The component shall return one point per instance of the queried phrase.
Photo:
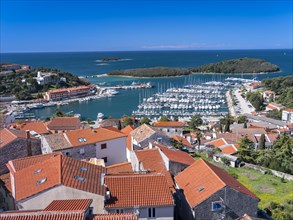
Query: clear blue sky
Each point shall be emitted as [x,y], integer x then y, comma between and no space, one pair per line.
[45,26]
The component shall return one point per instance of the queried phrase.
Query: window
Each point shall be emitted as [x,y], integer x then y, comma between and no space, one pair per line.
[119,210]
[67,154]
[81,150]
[83,168]
[41,181]
[79,178]
[103,146]
[105,159]
[37,171]
[168,130]
[152,212]
[175,130]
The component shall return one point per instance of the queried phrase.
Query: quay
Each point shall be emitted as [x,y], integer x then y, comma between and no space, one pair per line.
[132,86]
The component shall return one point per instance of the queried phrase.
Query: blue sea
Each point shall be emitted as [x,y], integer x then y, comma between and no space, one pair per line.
[88,64]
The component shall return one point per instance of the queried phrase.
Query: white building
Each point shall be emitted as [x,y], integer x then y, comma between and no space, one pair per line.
[45,78]
[108,144]
[287,115]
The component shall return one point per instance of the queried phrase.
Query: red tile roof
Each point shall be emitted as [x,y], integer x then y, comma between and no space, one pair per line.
[288,110]
[217,143]
[127,131]
[202,179]
[138,190]
[58,170]
[114,216]
[6,137]
[91,136]
[229,149]
[124,167]
[36,126]
[152,161]
[64,123]
[184,140]
[39,215]
[176,155]
[168,124]
[79,205]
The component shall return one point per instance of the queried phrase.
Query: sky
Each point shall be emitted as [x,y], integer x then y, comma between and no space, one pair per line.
[92,25]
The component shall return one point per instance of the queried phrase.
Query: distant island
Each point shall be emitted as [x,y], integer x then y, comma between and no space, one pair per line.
[235,66]
[151,72]
[109,59]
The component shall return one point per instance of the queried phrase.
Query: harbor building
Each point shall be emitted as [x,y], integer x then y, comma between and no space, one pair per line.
[65,93]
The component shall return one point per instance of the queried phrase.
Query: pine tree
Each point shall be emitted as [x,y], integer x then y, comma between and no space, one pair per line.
[262,142]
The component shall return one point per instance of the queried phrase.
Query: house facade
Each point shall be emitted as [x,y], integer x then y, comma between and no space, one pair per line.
[287,115]
[171,128]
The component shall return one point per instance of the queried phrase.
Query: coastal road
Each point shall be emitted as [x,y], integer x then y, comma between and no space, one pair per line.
[245,106]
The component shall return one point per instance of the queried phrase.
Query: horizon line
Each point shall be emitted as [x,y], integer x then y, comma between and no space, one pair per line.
[93,51]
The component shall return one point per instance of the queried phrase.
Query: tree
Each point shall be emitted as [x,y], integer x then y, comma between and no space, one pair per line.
[145,120]
[245,124]
[194,122]
[175,118]
[241,119]
[164,118]
[177,144]
[262,141]
[227,126]
[198,136]
[275,114]
[58,113]
[128,121]
[119,126]
[256,100]
[245,152]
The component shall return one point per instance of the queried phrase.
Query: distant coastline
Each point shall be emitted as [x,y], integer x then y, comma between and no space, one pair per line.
[240,66]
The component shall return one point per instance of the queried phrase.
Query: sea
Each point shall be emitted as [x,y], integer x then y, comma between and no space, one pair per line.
[89,65]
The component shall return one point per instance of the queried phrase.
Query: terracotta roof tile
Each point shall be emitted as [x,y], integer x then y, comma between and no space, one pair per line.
[22,163]
[152,161]
[228,149]
[58,170]
[138,190]
[39,215]
[57,141]
[288,110]
[169,124]
[184,140]
[217,143]
[176,155]
[120,216]
[80,205]
[91,136]
[64,123]
[6,137]
[124,167]
[127,131]
[145,131]
[201,180]
[36,126]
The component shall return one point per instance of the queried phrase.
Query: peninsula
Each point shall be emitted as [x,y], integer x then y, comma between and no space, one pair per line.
[151,72]
[235,66]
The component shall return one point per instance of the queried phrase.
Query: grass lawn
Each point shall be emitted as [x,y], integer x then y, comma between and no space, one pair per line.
[267,187]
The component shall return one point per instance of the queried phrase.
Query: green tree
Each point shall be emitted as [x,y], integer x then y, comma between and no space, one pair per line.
[262,141]
[194,122]
[275,114]
[164,118]
[245,152]
[177,144]
[245,124]
[256,100]
[198,136]
[128,121]
[241,119]
[145,120]
[119,126]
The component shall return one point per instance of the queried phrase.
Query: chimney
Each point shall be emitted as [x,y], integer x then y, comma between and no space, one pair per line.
[27,134]
[102,178]
[108,195]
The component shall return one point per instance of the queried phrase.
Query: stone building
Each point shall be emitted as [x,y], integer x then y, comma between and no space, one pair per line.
[171,128]
[16,144]
[205,191]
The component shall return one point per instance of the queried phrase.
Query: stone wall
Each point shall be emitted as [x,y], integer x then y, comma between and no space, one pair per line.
[176,168]
[18,149]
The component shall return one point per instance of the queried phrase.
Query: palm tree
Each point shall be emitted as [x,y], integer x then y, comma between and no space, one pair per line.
[198,136]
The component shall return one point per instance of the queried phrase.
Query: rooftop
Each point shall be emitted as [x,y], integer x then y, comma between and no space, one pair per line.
[124,167]
[78,205]
[144,131]
[115,216]
[152,160]
[9,135]
[64,123]
[127,131]
[202,179]
[54,171]
[169,124]
[138,190]
[175,155]
[184,140]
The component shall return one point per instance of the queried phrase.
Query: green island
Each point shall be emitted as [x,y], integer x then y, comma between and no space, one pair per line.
[242,65]
[109,59]
[25,86]
[235,66]
[151,72]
